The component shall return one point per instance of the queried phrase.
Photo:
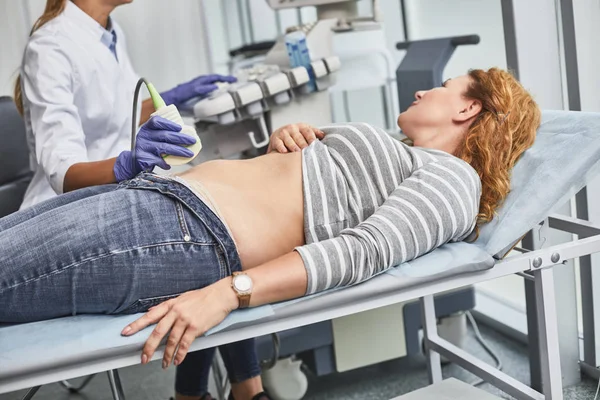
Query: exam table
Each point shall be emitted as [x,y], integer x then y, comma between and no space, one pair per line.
[565,156]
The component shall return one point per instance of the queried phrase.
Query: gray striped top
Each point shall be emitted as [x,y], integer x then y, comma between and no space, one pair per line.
[372,202]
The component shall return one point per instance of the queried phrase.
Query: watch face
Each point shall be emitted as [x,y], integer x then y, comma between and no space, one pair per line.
[242,283]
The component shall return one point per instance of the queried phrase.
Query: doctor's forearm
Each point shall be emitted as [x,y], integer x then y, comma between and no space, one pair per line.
[87,174]
[147,109]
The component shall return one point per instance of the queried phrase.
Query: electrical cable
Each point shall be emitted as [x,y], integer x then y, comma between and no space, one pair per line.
[484,345]
[268,364]
[134,121]
[597,389]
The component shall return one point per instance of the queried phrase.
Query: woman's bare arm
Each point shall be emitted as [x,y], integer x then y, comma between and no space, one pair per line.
[193,313]
[283,278]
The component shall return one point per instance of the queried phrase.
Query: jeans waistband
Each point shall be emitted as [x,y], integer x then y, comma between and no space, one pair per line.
[172,188]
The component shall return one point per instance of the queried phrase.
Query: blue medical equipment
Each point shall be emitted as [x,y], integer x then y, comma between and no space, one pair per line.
[299,56]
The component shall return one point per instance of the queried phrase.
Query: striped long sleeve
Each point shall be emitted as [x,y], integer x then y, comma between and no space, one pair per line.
[436,204]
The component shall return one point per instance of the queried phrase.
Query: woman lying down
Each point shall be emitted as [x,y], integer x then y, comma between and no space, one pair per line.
[232,234]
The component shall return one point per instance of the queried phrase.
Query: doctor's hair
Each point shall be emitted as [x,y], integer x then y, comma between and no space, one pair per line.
[53,9]
[499,134]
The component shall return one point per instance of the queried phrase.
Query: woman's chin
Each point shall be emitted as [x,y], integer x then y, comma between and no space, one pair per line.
[399,121]
[402,122]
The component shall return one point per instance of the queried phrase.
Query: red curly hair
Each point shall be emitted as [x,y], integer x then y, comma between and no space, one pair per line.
[500,133]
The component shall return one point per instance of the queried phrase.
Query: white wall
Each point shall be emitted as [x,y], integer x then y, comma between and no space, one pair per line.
[427,19]
[166,44]
[587,31]
[367,104]
[538,49]
[13,30]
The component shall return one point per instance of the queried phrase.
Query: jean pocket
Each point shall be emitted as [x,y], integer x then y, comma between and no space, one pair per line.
[142,305]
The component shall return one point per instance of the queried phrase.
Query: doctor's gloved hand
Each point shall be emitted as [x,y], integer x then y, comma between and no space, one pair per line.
[201,86]
[156,138]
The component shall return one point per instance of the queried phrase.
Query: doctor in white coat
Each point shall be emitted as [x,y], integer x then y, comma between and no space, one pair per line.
[75,92]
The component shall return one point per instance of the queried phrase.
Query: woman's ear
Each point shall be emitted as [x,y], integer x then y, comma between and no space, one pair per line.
[470,109]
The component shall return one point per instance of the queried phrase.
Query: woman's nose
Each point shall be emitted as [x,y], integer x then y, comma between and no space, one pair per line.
[419,94]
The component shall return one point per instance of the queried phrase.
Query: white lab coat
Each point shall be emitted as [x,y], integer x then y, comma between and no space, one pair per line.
[77,99]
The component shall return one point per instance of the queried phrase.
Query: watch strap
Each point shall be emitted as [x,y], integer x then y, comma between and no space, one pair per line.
[244,299]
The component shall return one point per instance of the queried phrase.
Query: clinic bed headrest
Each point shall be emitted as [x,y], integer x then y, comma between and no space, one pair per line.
[564,158]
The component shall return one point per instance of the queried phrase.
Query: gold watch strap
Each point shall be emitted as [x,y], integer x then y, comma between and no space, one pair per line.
[244,299]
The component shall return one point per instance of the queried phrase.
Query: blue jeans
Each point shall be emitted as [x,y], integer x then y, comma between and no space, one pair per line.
[116,249]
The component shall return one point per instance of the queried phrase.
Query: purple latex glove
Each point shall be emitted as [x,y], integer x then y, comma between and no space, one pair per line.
[198,87]
[156,137]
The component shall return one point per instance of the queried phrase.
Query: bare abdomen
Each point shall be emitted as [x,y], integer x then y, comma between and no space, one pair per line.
[261,201]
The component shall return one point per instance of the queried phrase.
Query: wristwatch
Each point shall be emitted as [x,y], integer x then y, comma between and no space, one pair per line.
[242,284]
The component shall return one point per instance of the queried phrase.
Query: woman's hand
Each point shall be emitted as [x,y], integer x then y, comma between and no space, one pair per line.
[186,317]
[293,137]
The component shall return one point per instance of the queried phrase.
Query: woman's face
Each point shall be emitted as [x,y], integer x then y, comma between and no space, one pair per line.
[437,110]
